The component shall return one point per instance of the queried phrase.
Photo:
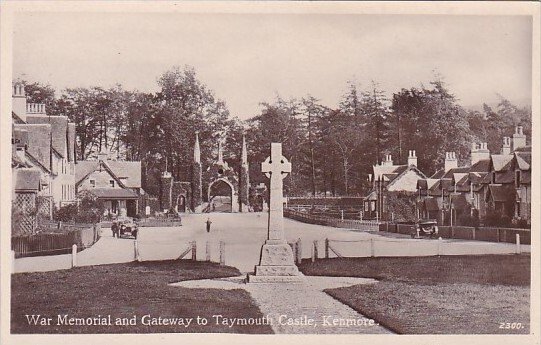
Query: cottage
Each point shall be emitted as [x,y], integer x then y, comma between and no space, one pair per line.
[387,179]
[117,184]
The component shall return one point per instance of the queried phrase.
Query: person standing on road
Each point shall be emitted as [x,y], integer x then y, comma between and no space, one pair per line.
[208,222]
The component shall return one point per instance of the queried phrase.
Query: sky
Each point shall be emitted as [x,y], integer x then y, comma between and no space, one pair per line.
[247,59]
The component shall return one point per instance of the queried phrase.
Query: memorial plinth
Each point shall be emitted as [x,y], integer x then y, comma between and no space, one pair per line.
[276,264]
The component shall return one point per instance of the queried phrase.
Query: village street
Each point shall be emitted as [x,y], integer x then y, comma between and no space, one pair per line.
[243,235]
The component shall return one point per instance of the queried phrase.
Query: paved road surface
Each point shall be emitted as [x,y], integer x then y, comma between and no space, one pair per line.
[243,235]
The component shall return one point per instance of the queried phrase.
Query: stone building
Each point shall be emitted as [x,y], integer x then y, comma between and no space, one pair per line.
[498,183]
[390,179]
[117,184]
[47,144]
[217,187]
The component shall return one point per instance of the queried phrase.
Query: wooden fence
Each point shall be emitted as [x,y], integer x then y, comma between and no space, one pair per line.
[490,234]
[367,225]
[57,242]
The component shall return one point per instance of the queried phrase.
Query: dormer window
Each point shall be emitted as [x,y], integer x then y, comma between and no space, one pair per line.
[92,183]
[112,183]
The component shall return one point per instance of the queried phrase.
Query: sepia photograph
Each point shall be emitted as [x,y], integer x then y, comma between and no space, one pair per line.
[269,169]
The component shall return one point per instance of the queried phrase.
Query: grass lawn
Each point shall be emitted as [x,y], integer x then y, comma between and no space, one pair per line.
[443,295]
[128,290]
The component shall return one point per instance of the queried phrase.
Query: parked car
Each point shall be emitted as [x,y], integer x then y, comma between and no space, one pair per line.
[124,227]
[425,228]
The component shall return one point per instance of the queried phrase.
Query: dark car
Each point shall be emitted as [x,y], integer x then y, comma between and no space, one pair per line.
[425,228]
[124,227]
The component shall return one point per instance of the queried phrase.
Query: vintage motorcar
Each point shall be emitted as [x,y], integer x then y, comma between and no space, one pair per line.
[425,228]
[124,227]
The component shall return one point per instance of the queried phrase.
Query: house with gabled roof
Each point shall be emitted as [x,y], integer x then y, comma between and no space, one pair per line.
[497,183]
[117,184]
[388,178]
[46,143]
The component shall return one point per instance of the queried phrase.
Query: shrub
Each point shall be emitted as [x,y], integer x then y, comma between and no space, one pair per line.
[465,219]
[88,209]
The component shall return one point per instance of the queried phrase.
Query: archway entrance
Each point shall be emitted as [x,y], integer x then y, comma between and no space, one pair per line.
[181,203]
[220,196]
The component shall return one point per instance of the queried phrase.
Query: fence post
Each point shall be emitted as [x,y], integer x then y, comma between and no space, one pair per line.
[498,234]
[207,250]
[316,256]
[517,248]
[326,248]
[73,256]
[12,261]
[440,240]
[342,214]
[473,233]
[136,251]
[222,253]
[372,249]
[194,250]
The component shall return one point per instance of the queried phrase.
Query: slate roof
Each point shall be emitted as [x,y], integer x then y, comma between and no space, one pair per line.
[524,160]
[501,162]
[39,139]
[129,173]
[481,166]
[129,170]
[16,118]
[20,135]
[59,127]
[381,170]
[27,180]
[113,193]
[71,141]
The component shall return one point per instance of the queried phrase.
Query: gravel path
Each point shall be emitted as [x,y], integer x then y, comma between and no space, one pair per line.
[301,308]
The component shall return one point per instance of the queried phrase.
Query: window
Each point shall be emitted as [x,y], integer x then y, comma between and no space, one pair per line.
[517,179]
[92,183]
[112,183]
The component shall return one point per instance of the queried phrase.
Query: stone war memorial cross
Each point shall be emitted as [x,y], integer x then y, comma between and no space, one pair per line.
[276,263]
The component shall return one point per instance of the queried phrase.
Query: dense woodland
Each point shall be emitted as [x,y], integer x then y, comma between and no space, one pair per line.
[332,149]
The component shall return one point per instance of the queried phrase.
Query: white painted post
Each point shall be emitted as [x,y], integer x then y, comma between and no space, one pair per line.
[73,256]
[222,253]
[372,249]
[12,261]
[342,212]
[136,251]
[207,249]
[377,216]
[361,215]
[517,249]
[440,240]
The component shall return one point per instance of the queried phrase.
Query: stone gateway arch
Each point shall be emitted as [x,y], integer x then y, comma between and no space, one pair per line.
[214,188]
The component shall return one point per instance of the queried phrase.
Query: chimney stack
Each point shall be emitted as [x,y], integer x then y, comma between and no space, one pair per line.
[19,101]
[450,161]
[519,139]
[412,158]
[479,152]
[506,147]
[388,161]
